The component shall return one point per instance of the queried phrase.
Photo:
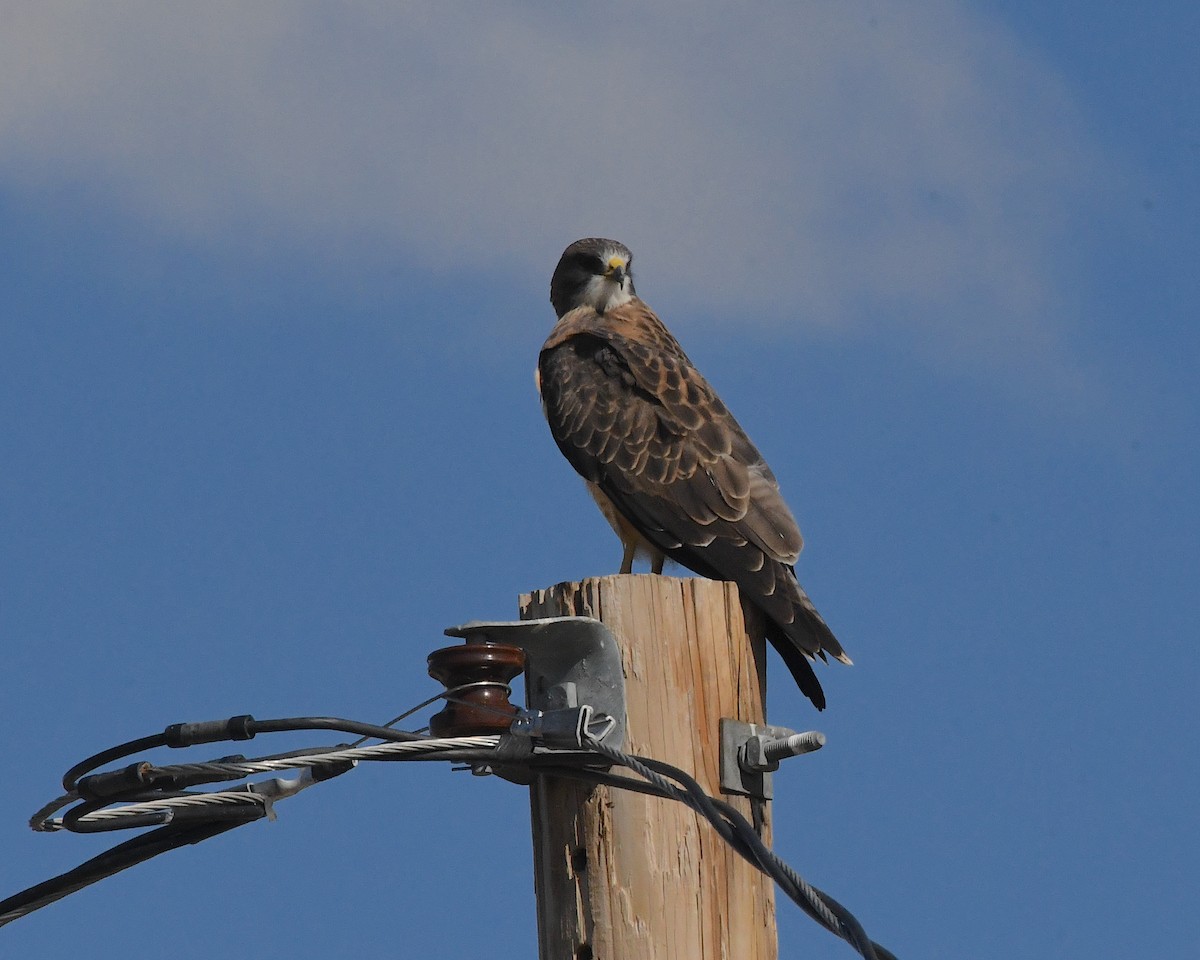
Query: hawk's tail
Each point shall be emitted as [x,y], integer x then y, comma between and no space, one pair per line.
[798,663]
[805,637]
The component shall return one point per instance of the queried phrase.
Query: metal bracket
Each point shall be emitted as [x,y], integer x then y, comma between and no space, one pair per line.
[750,751]
[572,662]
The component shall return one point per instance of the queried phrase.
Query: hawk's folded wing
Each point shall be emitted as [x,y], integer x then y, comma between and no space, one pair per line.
[631,414]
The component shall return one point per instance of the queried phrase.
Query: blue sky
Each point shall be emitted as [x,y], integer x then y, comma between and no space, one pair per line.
[275,281]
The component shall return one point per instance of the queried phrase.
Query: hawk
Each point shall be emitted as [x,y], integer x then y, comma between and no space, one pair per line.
[669,466]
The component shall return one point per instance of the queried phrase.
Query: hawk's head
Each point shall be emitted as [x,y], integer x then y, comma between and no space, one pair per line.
[592,273]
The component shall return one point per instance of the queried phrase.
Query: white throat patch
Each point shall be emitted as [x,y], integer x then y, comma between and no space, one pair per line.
[605,293]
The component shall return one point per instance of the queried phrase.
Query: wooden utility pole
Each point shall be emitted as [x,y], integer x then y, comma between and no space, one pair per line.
[624,876]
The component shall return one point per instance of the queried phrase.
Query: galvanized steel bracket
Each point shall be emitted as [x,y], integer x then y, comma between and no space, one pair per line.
[750,751]
[572,662]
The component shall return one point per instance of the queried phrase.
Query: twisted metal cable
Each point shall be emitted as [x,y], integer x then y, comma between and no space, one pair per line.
[231,770]
[736,830]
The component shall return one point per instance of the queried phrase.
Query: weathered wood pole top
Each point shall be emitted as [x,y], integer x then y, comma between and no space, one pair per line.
[622,876]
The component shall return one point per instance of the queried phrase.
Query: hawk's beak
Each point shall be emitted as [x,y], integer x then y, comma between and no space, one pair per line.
[616,271]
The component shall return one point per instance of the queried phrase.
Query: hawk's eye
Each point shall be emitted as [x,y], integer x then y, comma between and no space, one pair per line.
[589,263]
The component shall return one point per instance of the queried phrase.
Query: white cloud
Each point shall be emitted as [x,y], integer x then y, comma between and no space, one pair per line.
[851,165]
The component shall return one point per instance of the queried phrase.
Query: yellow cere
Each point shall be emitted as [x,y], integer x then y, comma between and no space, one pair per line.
[614,262]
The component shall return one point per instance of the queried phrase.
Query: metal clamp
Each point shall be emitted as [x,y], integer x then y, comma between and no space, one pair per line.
[751,751]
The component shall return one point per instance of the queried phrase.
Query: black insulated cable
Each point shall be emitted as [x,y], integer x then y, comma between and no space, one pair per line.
[242,727]
[121,857]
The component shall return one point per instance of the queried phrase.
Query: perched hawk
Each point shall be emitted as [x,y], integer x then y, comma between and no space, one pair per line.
[669,466]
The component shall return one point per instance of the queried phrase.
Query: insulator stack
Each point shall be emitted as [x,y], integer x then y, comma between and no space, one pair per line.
[477,675]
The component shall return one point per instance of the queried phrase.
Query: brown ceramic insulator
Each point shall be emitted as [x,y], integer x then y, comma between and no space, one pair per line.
[483,708]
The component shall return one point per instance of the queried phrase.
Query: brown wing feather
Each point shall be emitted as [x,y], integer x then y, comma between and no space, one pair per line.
[632,415]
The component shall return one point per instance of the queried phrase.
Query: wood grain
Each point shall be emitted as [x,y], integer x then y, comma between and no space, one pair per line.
[622,876]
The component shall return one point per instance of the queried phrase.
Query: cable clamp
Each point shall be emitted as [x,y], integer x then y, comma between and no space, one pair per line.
[569,728]
[267,792]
